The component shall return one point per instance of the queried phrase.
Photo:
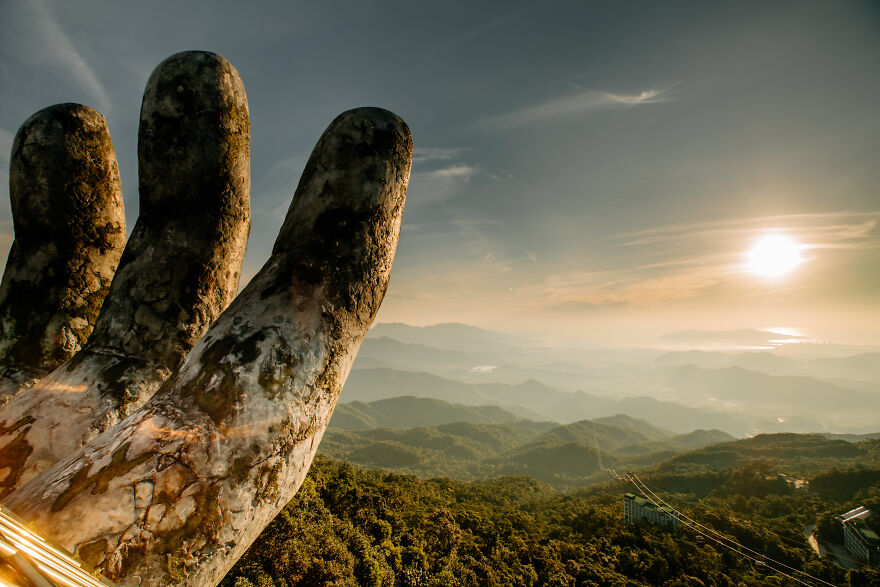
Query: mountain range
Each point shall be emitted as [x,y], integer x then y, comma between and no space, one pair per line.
[740,392]
[572,455]
[534,400]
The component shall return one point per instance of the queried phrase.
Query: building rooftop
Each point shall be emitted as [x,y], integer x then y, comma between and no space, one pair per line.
[859,513]
[868,535]
[647,504]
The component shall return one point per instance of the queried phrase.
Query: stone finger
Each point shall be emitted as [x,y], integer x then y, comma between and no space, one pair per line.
[69,233]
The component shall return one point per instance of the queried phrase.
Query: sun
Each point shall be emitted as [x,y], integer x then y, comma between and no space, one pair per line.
[774,256]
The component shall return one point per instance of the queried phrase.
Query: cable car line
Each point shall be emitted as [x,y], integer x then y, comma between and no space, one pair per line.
[719,538]
[798,544]
[739,547]
[758,561]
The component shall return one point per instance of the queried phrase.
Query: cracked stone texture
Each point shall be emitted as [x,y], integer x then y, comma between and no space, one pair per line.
[228,439]
[69,233]
[180,268]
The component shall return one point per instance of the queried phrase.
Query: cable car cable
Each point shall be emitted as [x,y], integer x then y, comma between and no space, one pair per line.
[635,479]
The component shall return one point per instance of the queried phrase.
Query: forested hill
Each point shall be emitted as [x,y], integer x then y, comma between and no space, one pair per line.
[799,454]
[566,457]
[349,526]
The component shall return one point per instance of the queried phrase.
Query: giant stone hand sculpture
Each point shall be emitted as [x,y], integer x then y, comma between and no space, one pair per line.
[159,464]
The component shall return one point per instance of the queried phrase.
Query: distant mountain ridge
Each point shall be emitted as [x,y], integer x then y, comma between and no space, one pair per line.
[447,336]
[534,400]
[736,383]
[416,355]
[413,412]
[797,388]
[746,336]
[860,367]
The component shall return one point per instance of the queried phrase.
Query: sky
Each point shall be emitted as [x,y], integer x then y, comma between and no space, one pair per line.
[590,172]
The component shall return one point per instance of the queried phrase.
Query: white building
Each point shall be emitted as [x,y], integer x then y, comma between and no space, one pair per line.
[639,508]
[860,540]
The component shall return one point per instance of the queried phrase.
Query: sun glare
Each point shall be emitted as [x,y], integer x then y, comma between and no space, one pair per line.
[774,256]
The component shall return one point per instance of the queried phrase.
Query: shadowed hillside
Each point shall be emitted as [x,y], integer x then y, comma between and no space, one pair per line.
[563,456]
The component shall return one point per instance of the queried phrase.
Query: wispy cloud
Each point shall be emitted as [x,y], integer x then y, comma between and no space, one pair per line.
[443,179]
[705,261]
[54,45]
[423,154]
[467,262]
[437,185]
[840,229]
[639,285]
[461,172]
[478,32]
[482,30]
[282,176]
[580,102]
[639,292]
[645,97]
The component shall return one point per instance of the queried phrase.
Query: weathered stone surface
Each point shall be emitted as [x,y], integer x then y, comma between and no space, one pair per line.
[182,264]
[179,271]
[246,410]
[143,495]
[69,233]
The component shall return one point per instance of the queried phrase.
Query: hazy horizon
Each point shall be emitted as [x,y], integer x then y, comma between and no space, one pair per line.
[590,173]
[776,338]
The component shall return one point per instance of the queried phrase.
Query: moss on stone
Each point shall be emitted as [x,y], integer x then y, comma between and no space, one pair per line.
[81,481]
[204,522]
[92,553]
[267,483]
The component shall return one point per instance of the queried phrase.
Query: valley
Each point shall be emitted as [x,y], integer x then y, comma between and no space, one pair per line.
[480,460]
